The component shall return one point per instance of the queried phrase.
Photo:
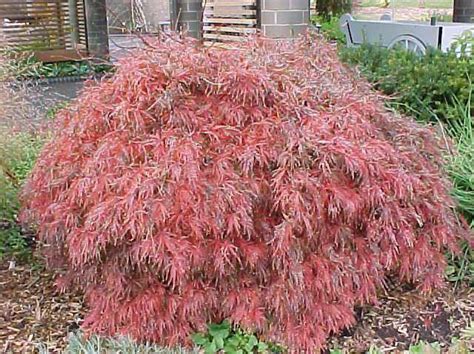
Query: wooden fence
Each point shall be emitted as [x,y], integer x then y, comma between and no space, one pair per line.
[229,20]
[54,29]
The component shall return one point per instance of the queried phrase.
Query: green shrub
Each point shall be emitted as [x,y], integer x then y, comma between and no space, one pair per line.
[420,85]
[18,152]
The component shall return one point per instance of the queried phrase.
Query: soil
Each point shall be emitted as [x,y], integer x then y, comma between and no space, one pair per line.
[33,312]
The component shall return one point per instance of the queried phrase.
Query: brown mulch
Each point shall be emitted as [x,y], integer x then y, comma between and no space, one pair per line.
[32,311]
[404,317]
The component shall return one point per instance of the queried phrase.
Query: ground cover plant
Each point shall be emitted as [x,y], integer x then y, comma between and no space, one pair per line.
[265,185]
[222,337]
[24,66]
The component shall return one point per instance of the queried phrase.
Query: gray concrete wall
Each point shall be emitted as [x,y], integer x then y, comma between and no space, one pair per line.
[156,12]
[463,11]
[189,14]
[97,32]
[284,18]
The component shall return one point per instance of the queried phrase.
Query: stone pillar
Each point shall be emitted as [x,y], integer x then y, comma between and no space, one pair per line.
[96,24]
[463,11]
[72,6]
[188,15]
[284,18]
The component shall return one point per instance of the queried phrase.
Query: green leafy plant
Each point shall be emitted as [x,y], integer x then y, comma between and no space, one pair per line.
[436,87]
[461,162]
[424,348]
[23,65]
[330,28]
[221,337]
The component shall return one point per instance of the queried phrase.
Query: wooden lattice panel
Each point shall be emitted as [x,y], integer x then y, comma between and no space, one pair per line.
[44,26]
[229,20]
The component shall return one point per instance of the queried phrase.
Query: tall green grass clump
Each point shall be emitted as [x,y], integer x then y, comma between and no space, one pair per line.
[461,170]
[461,167]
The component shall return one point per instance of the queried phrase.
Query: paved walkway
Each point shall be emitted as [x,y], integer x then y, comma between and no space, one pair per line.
[121,45]
[401,14]
[46,96]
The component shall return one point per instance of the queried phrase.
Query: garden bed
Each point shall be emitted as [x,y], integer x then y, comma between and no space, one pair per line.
[34,314]
[32,311]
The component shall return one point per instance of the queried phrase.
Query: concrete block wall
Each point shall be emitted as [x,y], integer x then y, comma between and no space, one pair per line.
[189,14]
[284,18]
[463,11]
[97,32]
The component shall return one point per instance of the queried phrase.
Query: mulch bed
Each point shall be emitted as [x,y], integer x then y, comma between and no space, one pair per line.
[404,317]
[32,311]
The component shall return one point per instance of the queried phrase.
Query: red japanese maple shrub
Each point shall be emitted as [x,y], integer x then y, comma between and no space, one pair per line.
[263,184]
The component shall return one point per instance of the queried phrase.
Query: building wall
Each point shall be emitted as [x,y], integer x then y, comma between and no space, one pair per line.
[284,18]
[189,13]
[97,31]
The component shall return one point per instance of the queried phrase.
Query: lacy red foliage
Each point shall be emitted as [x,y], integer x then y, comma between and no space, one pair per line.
[263,184]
